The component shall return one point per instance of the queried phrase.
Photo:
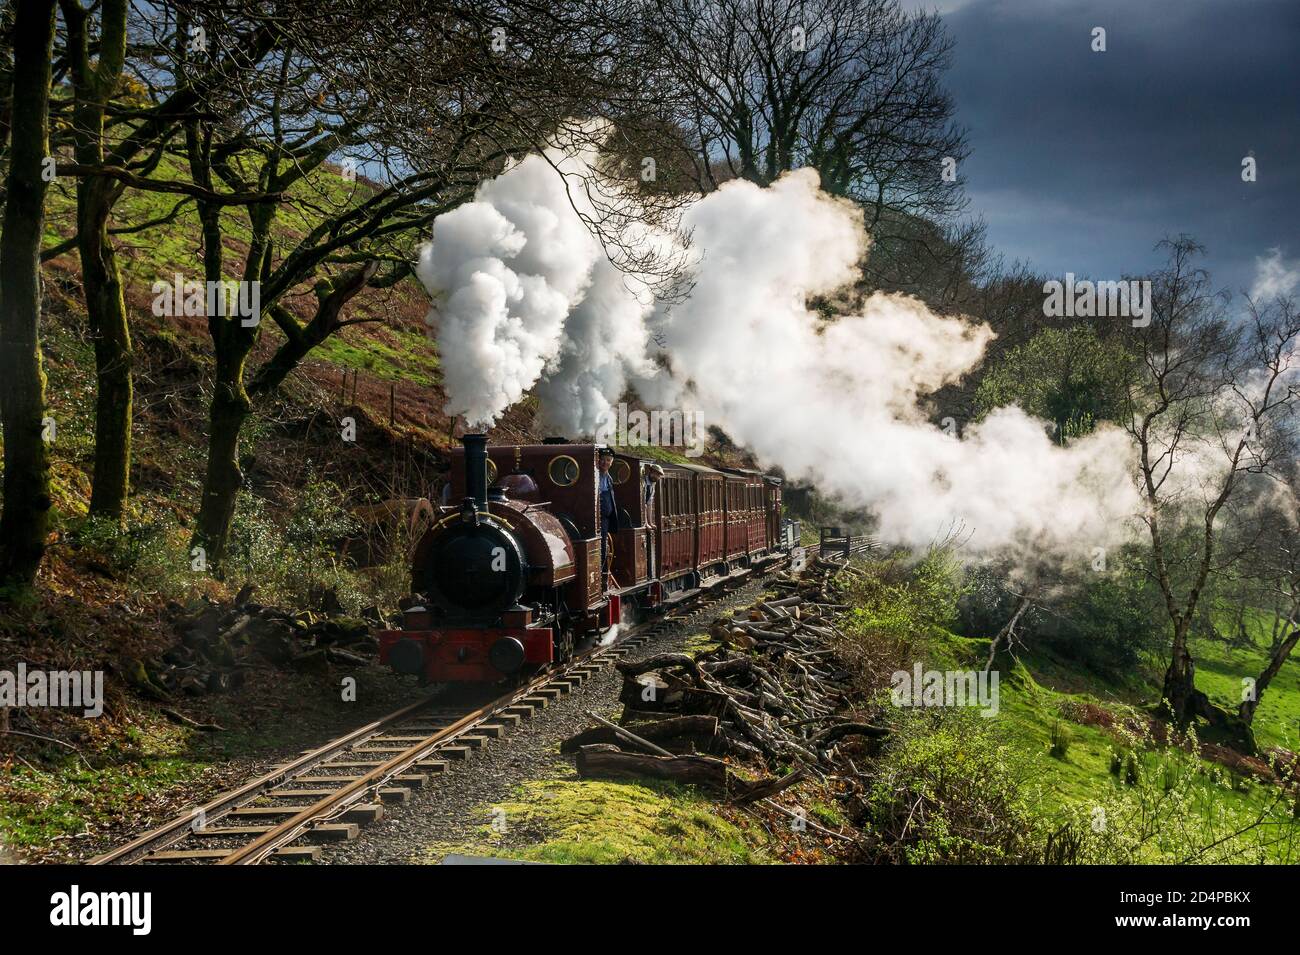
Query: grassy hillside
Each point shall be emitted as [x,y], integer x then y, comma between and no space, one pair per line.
[1220,669]
[1068,749]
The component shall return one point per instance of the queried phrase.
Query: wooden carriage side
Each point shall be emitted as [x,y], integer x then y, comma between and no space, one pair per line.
[635,541]
[734,518]
[676,525]
[772,511]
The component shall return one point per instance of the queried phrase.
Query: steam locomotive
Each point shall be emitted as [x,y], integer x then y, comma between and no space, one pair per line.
[510,580]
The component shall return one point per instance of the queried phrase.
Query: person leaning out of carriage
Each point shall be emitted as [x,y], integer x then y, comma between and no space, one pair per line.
[653,473]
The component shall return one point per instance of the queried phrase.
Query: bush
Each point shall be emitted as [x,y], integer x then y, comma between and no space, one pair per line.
[896,607]
[1060,740]
[905,600]
[121,548]
[1067,376]
[1111,623]
[291,561]
[1107,622]
[948,790]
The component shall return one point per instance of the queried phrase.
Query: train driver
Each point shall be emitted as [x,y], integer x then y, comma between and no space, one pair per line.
[608,508]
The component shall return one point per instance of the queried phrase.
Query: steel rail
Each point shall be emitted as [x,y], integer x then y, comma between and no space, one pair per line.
[154,838]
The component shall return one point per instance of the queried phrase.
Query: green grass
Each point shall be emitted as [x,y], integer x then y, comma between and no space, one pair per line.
[1220,670]
[585,822]
[46,803]
[413,358]
[1218,800]
[45,806]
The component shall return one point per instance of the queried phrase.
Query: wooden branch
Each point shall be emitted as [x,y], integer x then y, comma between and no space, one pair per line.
[629,735]
[125,176]
[695,727]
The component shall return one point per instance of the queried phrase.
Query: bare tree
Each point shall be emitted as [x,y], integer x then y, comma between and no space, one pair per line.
[1210,406]
[1266,580]
[851,88]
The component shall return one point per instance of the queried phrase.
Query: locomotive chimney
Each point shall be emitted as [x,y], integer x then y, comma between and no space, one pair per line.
[476,468]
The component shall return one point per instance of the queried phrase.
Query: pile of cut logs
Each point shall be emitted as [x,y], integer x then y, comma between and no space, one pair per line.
[771,693]
[217,643]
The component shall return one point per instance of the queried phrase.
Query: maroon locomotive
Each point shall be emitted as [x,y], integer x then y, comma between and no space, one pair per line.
[508,578]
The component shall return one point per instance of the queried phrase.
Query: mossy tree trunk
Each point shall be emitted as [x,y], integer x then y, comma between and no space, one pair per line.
[94,85]
[232,341]
[221,483]
[1180,678]
[22,380]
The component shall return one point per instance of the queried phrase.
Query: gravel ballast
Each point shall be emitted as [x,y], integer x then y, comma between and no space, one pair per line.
[453,806]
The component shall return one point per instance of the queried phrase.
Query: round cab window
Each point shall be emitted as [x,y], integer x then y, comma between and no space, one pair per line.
[619,471]
[563,470]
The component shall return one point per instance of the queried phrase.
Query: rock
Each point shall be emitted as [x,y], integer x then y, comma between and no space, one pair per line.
[275,648]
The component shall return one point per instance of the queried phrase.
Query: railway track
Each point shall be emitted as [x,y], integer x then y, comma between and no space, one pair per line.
[327,794]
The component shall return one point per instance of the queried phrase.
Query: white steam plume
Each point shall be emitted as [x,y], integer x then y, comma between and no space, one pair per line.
[837,403]
[523,292]
[504,272]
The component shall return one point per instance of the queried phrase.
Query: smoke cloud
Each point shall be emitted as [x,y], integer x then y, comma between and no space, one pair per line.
[525,298]
[524,295]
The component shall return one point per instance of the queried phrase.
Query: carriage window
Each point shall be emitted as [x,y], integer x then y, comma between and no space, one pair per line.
[563,470]
[619,471]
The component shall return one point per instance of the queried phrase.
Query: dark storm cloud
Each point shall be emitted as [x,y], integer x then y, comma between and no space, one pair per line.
[1082,160]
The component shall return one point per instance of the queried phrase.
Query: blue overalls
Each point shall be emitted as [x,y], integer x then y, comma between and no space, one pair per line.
[608,518]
